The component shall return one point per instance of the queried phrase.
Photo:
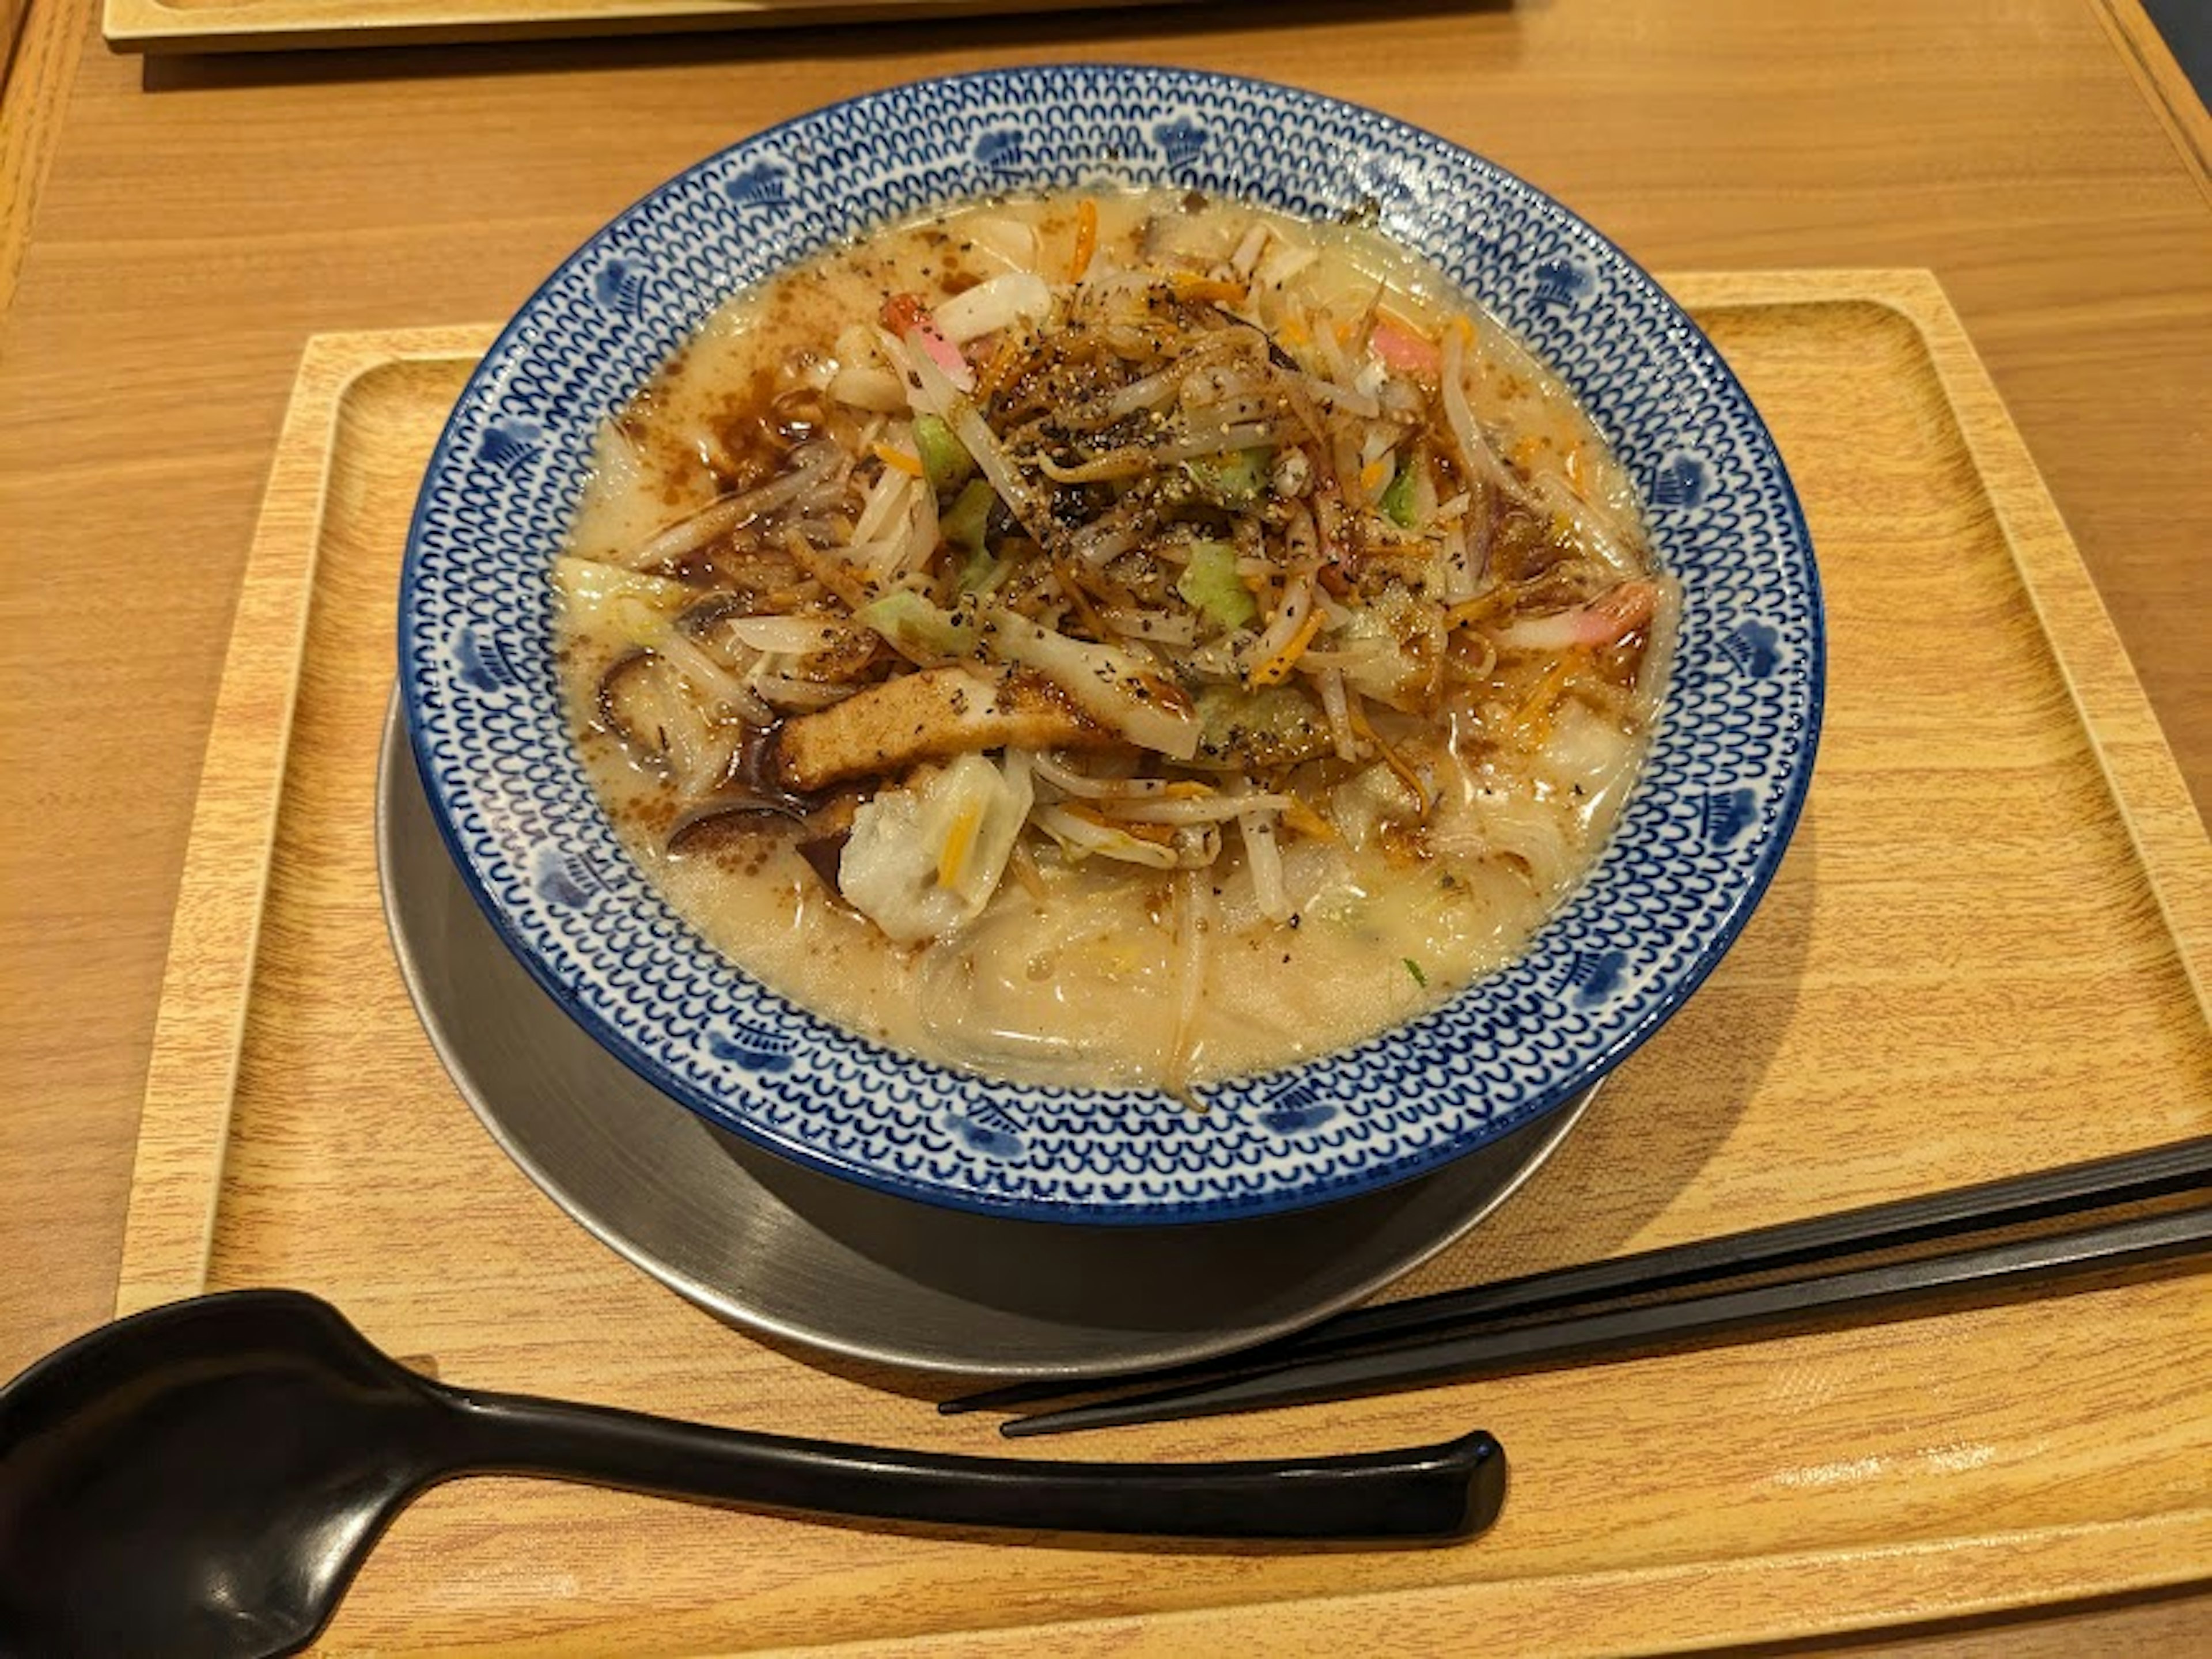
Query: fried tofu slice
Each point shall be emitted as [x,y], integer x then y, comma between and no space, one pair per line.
[930,715]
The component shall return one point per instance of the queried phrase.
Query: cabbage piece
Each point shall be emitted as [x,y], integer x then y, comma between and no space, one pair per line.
[593,589]
[998,303]
[944,460]
[923,860]
[964,523]
[1237,477]
[1360,807]
[916,629]
[1211,585]
[1257,731]
[1401,641]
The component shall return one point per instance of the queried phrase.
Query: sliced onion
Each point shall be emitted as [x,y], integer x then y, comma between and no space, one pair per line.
[1066,779]
[1336,707]
[1211,808]
[1659,650]
[1102,541]
[1153,626]
[1219,440]
[709,680]
[1193,920]
[1459,566]
[865,386]
[1342,397]
[1083,837]
[1012,243]
[1119,690]
[1115,465]
[1197,845]
[1290,616]
[1149,392]
[1478,461]
[1265,860]
[688,534]
[1283,262]
[1250,250]
[796,636]
[883,501]
[783,691]
[921,530]
[1556,497]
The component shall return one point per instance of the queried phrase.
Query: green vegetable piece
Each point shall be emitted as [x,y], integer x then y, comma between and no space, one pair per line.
[1236,479]
[915,628]
[1414,968]
[981,574]
[1210,585]
[1398,499]
[945,459]
[962,523]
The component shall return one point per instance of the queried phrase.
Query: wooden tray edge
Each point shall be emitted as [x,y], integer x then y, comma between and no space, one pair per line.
[177,1177]
[2140,771]
[1675,1608]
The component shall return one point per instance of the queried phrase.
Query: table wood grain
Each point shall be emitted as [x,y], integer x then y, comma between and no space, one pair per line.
[171,231]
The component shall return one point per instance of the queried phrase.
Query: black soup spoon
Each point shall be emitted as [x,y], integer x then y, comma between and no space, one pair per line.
[202,1480]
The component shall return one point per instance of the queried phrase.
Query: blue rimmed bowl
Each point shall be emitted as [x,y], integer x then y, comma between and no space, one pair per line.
[1693,851]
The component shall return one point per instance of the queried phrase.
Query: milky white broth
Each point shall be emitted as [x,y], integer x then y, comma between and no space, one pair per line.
[1074,971]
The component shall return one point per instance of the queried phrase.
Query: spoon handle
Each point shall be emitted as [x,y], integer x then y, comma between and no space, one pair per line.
[1451,1490]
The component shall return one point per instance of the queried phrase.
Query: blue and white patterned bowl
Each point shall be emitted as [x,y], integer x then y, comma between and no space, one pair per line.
[1694,850]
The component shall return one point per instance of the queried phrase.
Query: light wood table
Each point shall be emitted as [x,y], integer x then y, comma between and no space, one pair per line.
[170,232]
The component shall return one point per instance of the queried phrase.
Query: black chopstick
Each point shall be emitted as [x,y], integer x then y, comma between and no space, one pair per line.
[2071,1190]
[1621,1331]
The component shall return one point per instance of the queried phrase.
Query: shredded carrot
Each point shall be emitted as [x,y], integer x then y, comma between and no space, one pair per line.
[1481,607]
[1526,451]
[1534,717]
[1086,238]
[1000,366]
[1307,822]
[1025,871]
[1207,287]
[899,459]
[1161,834]
[1278,667]
[961,838]
[1293,331]
[1391,758]
[1372,474]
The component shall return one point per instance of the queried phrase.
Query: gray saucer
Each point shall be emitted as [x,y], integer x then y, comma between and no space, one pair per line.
[782,1249]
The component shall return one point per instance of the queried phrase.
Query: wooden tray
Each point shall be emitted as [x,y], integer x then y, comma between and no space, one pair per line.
[1986,952]
[188,25]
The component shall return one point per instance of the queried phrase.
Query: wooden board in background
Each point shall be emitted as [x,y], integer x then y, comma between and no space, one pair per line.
[1987,951]
[184,26]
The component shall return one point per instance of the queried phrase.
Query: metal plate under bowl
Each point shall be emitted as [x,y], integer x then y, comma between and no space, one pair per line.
[779,1248]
